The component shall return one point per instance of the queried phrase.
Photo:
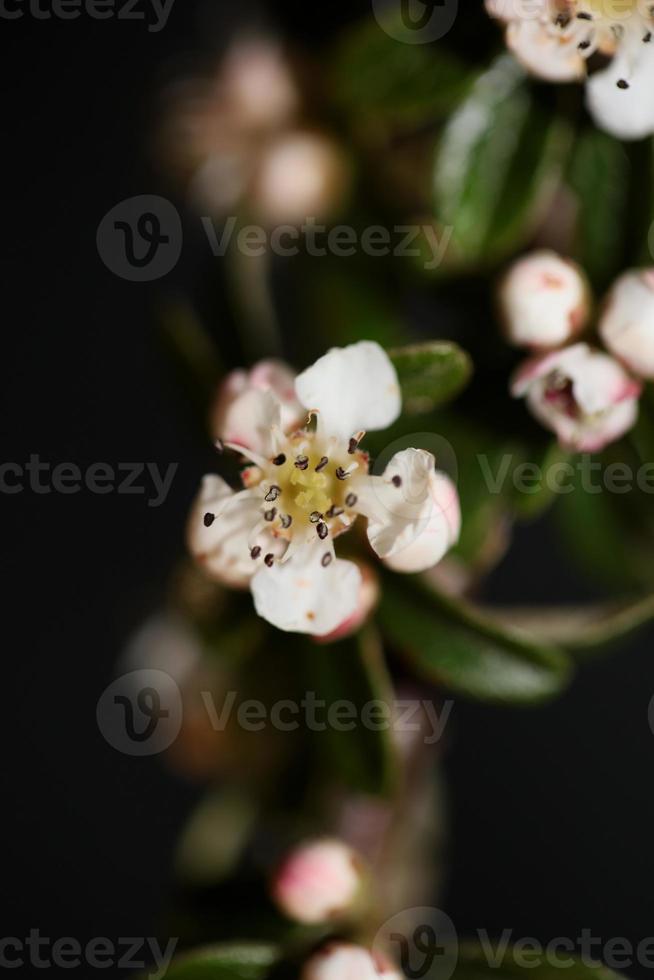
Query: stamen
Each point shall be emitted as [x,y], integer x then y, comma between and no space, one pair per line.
[584,16]
[583,45]
[351,500]
[342,474]
[322,464]
[269,560]
[335,511]
[279,460]
[255,553]
[647,38]
[323,531]
[270,515]
[273,494]
[316,517]
[623,84]
[286,521]
[397,481]
[326,560]
[354,445]
[302,462]
[209,519]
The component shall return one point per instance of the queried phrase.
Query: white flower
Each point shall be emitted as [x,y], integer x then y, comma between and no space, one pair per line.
[306,487]
[555,38]
[544,301]
[317,881]
[581,394]
[627,323]
[240,415]
[342,961]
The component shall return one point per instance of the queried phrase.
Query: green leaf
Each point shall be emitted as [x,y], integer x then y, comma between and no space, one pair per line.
[599,177]
[431,374]
[532,498]
[354,671]
[454,644]
[496,167]
[381,83]
[214,837]
[477,963]
[243,961]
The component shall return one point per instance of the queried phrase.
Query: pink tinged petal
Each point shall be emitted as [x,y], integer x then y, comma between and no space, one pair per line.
[369,594]
[413,511]
[353,389]
[307,593]
[317,881]
[627,324]
[221,533]
[544,52]
[249,404]
[625,111]
[544,301]
[341,961]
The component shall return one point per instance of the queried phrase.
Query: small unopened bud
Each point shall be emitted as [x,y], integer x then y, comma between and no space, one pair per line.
[342,961]
[302,175]
[627,324]
[319,880]
[258,85]
[544,301]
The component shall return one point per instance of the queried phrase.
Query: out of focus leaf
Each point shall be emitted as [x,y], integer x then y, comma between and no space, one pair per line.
[354,672]
[496,962]
[243,961]
[193,352]
[497,166]
[454,644]
[214,837]
[381,83]
[599,177]
[431,374]
[579,627]
[532,497]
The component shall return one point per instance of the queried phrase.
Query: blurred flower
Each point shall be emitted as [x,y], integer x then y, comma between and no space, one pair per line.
[627,323]
[309,486]
[318,881]
[581,394]
[237,141]
[555,39]
[544,301]
[342,961]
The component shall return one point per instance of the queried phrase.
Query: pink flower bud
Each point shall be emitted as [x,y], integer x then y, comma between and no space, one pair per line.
[242,416]
[342,961]
[581,394]
[302,175]
[369,593]
[259,88]
[317,881]
[544,301]
[627,323]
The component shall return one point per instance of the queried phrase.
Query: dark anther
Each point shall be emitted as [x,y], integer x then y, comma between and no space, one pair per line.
[397,481]
[341,474]
[584,16]
[322,464]
[209,519]
[316,517]
[335,511]
[286,520]
[583,45]
[302,462]
[273,494]
[323,531]
[647,38]
[255,553]
[326,560]
[623,84]
[279,460]
[354,445]
[269,560]
[351,500]
[271,514]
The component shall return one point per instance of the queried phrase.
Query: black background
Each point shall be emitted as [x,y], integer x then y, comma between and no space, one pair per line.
[552,809]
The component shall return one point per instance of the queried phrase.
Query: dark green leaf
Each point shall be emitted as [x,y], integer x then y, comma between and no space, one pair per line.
[599,177]
[493,963]
[243,961]
[431,374]
[496,166]
[453,644]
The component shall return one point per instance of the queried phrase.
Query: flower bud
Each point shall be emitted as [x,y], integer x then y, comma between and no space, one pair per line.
[240,415]
[437,532]
[581,394]
[302,175]
[342,961]
[627,323]
[544,301]
[259,88]
[317,881]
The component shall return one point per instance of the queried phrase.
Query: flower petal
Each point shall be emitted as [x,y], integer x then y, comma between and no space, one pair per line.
[548,55]
[249,405]
[627,324]
[625,112]
[413,512]
[353,389]
[221,533]
[303,595]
